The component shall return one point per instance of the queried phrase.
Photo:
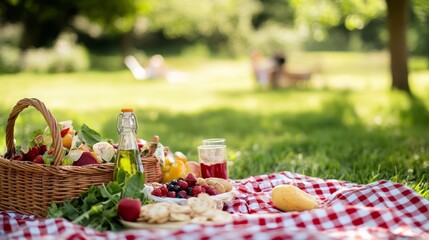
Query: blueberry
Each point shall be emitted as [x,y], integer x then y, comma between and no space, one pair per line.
[170,187]
[176,188]
[189,191]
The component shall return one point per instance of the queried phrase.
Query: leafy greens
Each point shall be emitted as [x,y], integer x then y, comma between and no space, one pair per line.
[97,207]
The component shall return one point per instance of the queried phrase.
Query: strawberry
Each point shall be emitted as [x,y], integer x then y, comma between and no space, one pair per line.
[42,149]
[64,132]
[38,159]
[30,155]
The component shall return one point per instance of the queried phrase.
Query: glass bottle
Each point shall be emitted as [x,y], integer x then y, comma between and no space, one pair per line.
[127,161]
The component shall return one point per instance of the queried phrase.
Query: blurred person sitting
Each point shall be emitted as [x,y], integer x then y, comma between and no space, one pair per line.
[279,71]
[274,73]
[262,68]
[155,69]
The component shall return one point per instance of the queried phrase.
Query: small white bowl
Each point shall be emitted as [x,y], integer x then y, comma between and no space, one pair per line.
[220,198]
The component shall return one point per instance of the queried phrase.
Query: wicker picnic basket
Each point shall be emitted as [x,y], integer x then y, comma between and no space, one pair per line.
[29,188]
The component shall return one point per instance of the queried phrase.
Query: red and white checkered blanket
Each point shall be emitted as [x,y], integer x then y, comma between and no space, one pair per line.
[380,210]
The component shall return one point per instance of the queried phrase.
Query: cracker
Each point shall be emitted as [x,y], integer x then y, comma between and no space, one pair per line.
[179,217]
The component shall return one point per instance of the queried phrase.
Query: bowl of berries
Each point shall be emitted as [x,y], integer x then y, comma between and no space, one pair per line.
[179,190]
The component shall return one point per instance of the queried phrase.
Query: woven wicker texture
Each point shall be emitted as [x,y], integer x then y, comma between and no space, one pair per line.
[30,188]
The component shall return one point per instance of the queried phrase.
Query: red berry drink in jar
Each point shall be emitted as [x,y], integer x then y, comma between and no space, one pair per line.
[218,170]
[213,161]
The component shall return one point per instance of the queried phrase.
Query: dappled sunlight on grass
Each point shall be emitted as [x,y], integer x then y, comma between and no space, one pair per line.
[213,84]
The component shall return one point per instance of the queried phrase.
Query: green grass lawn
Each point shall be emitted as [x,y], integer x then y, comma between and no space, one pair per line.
[346,124]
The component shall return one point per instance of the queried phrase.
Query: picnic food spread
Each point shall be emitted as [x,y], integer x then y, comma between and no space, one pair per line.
[169,193]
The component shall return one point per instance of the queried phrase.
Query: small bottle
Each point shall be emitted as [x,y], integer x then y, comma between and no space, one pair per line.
[127,160]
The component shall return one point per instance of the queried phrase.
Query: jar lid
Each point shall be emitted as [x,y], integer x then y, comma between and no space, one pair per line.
[127,110]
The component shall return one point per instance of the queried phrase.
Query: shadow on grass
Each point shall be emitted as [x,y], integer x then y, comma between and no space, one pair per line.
[330,143]
[417,113]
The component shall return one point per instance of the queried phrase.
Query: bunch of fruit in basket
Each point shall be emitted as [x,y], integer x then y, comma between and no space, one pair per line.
[174,165]
[79,147]
[191,186]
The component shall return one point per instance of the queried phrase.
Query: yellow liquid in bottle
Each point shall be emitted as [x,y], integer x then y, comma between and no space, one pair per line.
[129,162]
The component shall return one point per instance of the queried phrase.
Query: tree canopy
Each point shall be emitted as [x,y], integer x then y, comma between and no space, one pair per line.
[43,21]
[234,25]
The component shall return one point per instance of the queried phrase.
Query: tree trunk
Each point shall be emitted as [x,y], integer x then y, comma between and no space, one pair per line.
[127,43]
[397,17]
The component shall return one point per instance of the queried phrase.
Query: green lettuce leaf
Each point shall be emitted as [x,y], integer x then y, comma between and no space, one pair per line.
[89,135]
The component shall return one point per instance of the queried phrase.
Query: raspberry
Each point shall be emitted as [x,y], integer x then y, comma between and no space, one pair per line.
[183,184]
[182,194]
[164,190]
[211,191]
[171,194]
[191,179]
[197,189]
[157,192]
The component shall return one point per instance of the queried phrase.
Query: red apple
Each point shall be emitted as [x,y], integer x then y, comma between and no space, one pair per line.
[129,209]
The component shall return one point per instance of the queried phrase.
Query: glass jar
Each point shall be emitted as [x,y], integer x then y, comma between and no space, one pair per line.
[213,161]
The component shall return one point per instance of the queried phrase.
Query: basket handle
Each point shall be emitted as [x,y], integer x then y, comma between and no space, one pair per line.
[49,118]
